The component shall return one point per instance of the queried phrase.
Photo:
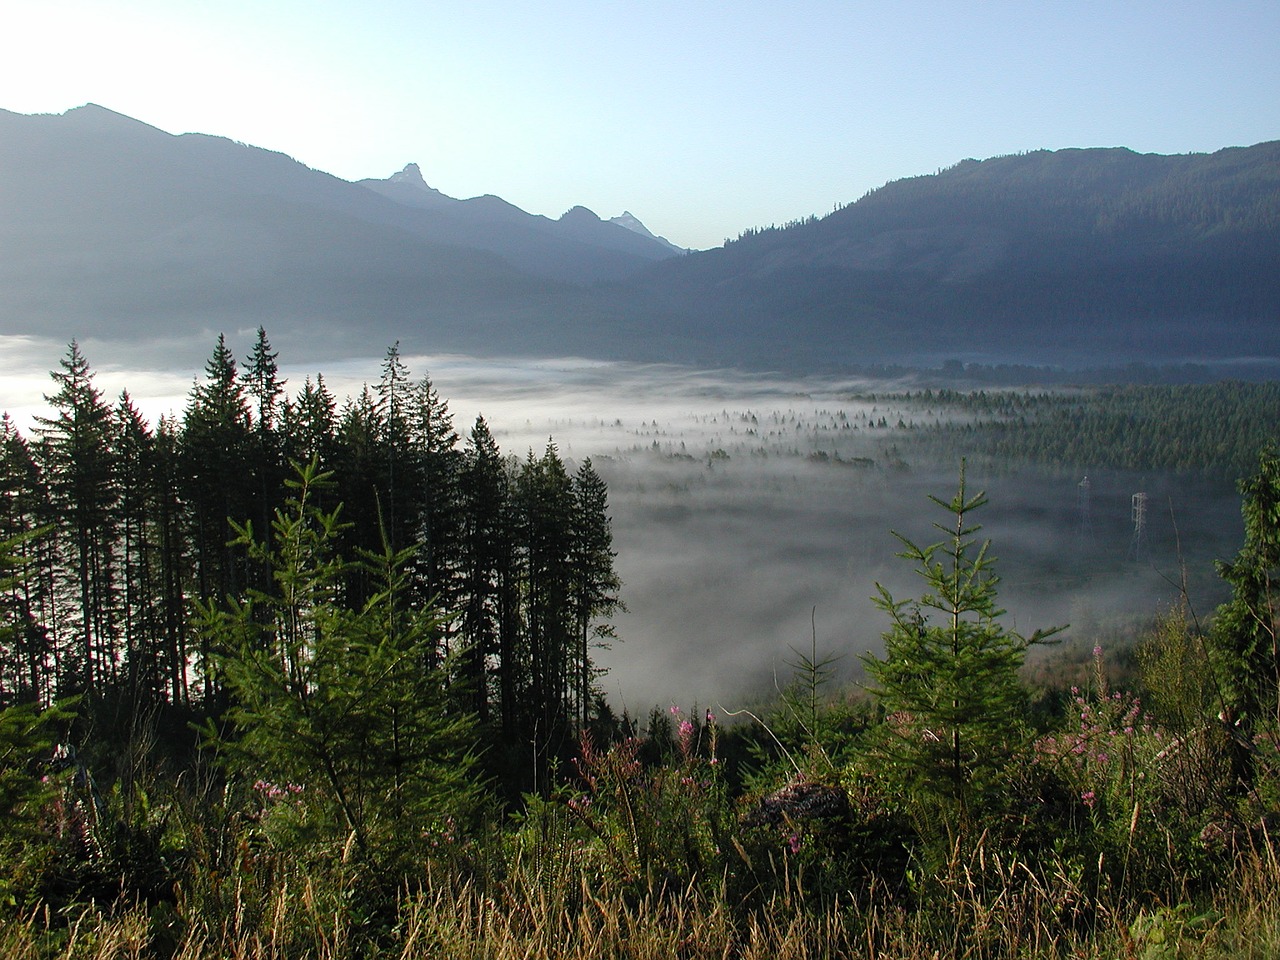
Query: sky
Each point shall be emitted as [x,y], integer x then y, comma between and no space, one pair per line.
[701,117]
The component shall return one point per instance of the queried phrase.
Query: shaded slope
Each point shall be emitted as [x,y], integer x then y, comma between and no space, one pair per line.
[1069,256]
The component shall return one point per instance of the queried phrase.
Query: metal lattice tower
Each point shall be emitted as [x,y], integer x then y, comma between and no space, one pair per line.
[1084,512]
[1138,545]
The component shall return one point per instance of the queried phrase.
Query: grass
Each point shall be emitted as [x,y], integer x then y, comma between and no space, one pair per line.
[991,906]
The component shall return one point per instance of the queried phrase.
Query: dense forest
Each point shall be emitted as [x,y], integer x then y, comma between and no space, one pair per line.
[288,677]
[1214,429]
[144,560]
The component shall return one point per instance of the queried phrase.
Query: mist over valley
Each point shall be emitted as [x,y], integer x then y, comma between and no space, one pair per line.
[753,514]
[747,504]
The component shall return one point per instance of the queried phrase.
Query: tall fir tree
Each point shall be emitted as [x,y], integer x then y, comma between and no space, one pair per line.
[435,501]
[26,602]
[141,558]
[76,452]
[545,510]
[485,551]
[264,392]
[217,483]
[595,590]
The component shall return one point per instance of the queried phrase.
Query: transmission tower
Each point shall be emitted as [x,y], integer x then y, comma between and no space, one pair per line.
[1084,512]
[1138,545]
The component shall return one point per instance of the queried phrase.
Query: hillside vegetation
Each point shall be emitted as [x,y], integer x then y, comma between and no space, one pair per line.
[287,678]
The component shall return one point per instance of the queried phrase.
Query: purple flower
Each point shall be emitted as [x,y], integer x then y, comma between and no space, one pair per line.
[793,842]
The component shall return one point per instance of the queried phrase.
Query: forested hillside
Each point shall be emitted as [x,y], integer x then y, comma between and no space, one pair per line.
[1069,257]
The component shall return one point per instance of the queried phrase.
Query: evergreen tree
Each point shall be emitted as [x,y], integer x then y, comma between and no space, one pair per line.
[217,483]
[595,587]
[263,384]
[435,500]
[949,675]
[360,471]
[78,463]
[26,601]
[397,476]
[264,392]
[1244,632]
[309,424]
[140,557]
[332,698]
[175,563]
[486,554]
[545,505]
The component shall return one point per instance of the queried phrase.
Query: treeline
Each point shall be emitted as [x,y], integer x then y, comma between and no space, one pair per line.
[124,552]
[1214,429]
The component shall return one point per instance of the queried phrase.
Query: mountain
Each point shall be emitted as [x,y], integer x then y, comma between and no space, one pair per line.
[113,229]
[631,222]
[579,246]
[1079,256]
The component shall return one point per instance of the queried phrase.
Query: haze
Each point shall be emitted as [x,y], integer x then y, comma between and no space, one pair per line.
[702,119]
[743,517]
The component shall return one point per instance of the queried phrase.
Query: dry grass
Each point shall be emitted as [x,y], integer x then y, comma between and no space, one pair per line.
[986,905]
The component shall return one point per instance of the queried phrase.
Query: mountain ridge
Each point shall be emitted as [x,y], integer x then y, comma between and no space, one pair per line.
[1071,257]
[110,227]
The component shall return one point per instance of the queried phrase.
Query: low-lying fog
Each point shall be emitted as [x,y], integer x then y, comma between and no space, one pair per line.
[746,508]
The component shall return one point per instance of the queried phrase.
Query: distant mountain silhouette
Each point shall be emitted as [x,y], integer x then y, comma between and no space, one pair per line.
[1071,256]
[113,228]
[579,246]
[110,228]
[628,219]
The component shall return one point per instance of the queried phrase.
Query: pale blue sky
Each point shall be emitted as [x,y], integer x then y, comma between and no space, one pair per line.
[702,118]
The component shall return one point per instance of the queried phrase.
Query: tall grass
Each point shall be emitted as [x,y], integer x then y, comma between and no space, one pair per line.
[984,904]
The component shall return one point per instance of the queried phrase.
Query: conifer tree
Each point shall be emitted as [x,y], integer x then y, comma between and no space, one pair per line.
[360,472]
[26,601]
[486,551]
[309,424]
[545,505]
[175,560]
[948,679]
[78,463]
[332,698]
[265,390]
[595,587]
[435,501]
[140,557]
[397,474]
[216,457]
[217,481]
[1245,628]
